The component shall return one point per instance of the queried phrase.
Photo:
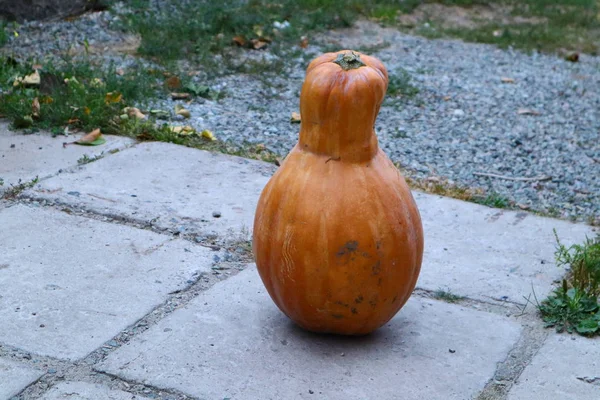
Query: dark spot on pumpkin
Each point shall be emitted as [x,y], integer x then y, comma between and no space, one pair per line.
[373,302]
[378,245]
[354,310]
[394,299]
[358,300]
[337,316]
[376,269]
[365,254]
[379,281]
[342,304]
[348,248]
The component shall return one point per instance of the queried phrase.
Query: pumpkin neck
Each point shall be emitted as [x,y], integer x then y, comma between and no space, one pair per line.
[349,60]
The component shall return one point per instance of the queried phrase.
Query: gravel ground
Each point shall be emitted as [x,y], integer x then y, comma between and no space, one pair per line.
[464,120]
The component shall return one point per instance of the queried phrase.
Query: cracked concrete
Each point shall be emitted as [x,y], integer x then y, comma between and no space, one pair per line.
[150,296]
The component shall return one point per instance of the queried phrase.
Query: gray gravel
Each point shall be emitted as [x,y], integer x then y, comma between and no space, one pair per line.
[464,120]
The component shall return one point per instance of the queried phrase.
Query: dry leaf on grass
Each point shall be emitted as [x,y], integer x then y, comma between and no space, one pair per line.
[181,110]
[173,82]
[183,130]
[133,112]
[507,80]
[258,44]
[113,97]
[239,40]
[33,79]
[208,135]
[303,42]
[35,108]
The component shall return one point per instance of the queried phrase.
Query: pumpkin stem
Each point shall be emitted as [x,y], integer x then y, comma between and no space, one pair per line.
[349,60]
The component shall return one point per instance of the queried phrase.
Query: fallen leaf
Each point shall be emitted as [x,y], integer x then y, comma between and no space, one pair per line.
[258,44]
[120,71]
[507,80]
[573,57]
[33,79]
[181,110]
[173,82]
[183,130]
[133,112]
[35,108]
[160,114]
[295,118]
[303,42]
[523,206]
[46,100]
[527,111]
[35,67]
[239,40]
[94,138]
[87,110]
[180,96]
[258,30]
[446,98]
[113,97]
[208,135]
[73,121]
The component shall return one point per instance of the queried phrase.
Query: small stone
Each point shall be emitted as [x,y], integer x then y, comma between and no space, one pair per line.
[452,351]
[216,214]
[12,146]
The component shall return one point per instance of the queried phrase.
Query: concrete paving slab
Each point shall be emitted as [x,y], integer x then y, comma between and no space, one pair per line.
[175,186]
[471,250]
[232,342]
[488,253]
[566,368]
[87,391]
[24,157]
[70,283]
[15,377]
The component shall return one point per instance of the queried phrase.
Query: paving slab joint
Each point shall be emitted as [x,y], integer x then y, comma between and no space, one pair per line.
[83,370]
[239,241]
[500,307]
[508,371]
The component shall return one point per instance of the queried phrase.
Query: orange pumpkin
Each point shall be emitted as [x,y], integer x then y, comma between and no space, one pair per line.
[337,238]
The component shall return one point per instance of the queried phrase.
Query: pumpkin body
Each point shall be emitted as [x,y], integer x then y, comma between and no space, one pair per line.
[337,237]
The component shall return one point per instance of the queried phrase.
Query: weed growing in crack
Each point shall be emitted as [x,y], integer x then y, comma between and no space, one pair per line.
[574,305]
[15,190]
[447,296]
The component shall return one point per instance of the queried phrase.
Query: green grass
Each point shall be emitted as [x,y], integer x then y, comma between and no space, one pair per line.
[574,307]
[14,190]
[76,94]
[493,199]
[400,85]
[571,25]
[447,296]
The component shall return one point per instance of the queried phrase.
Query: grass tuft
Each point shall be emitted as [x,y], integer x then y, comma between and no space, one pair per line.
[574,305]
